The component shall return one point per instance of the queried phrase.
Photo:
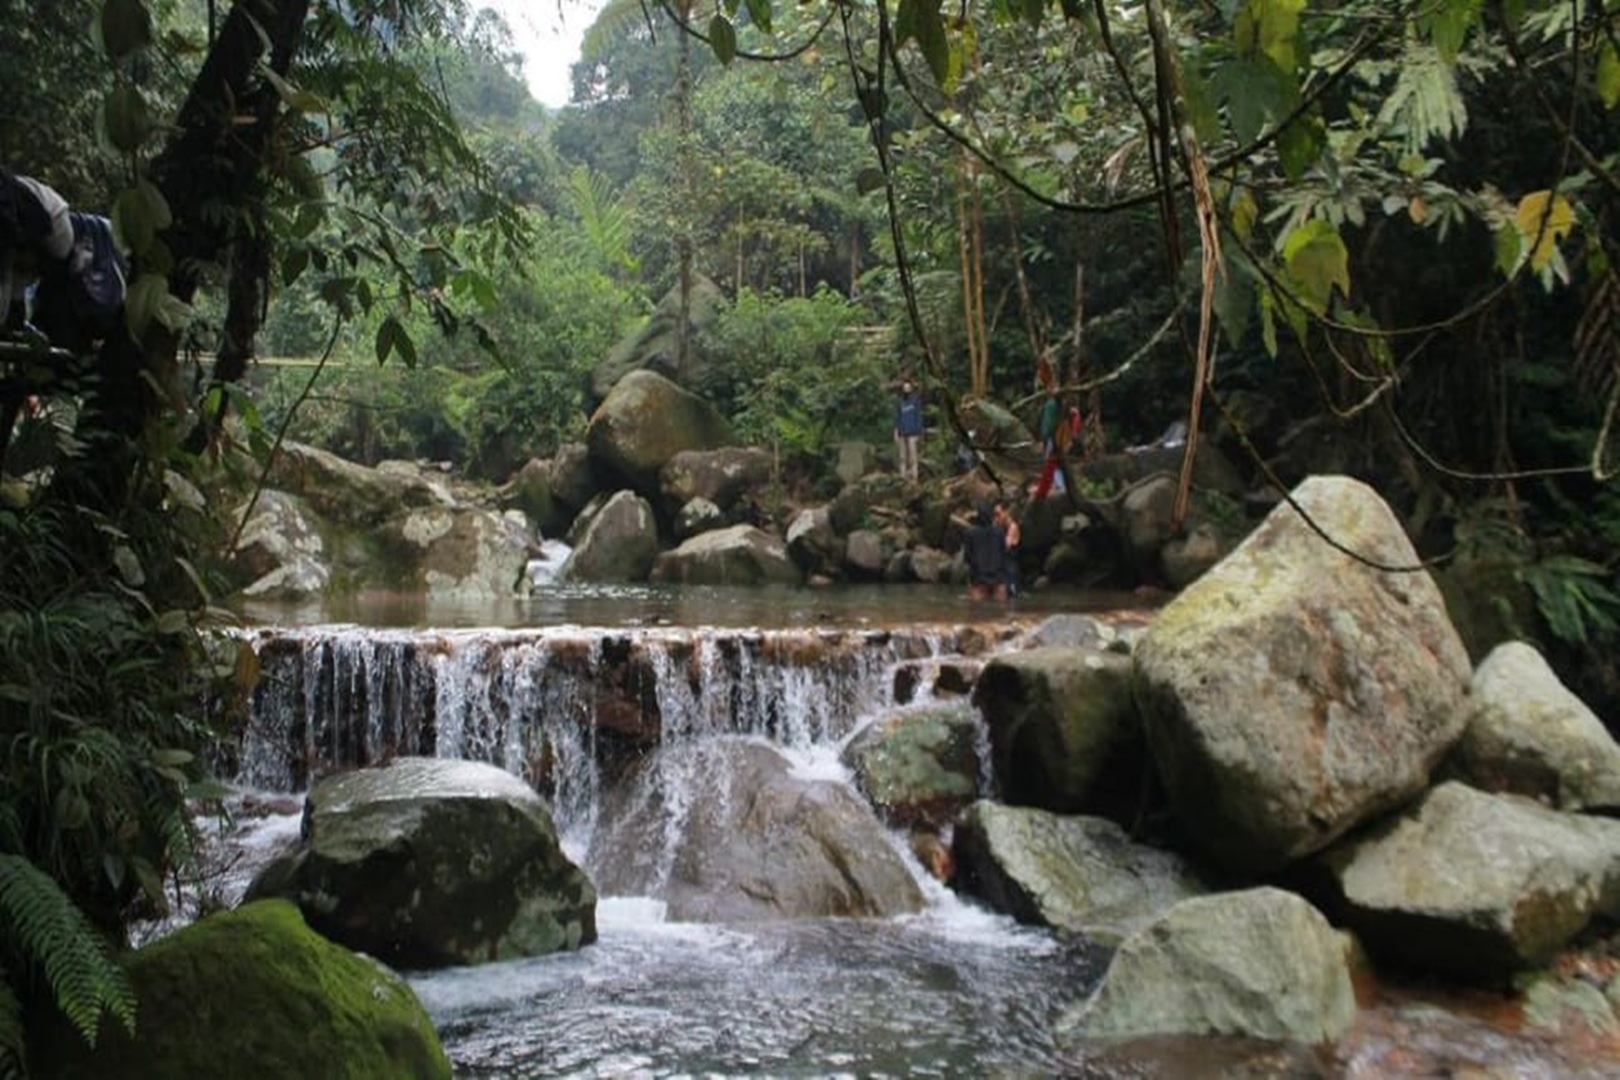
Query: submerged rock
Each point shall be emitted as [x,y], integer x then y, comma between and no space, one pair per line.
[1477,885]
[254,994]
[427,862]
[1081,876]
[1261,963]
[1293,692]
[724,831]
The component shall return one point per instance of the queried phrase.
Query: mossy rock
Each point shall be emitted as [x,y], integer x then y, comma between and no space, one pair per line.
[254,993]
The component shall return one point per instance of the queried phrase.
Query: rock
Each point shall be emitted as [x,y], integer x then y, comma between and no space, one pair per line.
[1184,559]
[864,555]
[279,534]
[1081,876]
[1477,885]
[296,580]
[573,480]
[529,490]
[849,508]
[1292,692]
[721,476]
[643,423]
[1064,733]
[427,862]
[656,346]
[255,994]
[351,493]
[697,516]
[737,555]
[1071,632]
[918,766]
[760,844]
[930,565]
[1527,734]
[1146,513]
[1261,963]
[813,544]
[461,551]
[619,543]
[853,460]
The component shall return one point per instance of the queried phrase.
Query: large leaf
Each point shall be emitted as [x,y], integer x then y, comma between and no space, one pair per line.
[1447,23]
[1317,261]
[1608,75]
[919,21]
[1270,27]
[1543,218]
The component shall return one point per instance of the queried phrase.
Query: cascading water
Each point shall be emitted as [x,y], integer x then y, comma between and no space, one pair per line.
[951,991]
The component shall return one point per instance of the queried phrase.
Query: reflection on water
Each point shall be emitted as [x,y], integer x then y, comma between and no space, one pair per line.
[768,607]
[955,992]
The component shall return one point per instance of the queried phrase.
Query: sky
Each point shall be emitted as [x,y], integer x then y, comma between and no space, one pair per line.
[547,33]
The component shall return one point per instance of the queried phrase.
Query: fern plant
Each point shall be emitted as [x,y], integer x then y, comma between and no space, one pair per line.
[1573,597]
[42,930]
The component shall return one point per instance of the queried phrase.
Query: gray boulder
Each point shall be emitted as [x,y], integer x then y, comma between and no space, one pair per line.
[721,476]
[918,766]
[699,515]
[643,423]
[1260,963]
[1528,735]
[812,542]
[656,345]
[427,863]
[1293,692]
[761,844]
[573,481]
[1477,885]
[281,553]
[738,555]
[459,551]
[1064,733]
[1081,876]
[619,542]
[865,555]
[351,493]
[853,460]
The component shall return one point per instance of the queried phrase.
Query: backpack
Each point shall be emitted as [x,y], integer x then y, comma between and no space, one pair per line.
[81,301]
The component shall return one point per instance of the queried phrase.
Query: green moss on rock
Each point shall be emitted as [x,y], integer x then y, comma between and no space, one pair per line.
[254,993]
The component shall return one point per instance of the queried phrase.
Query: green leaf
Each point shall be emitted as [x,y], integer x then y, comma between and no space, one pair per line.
[1234,299]
[126,118]
[1509,248]
[126,27]
[141,303]
[1270,27]
[1447,23]
[919,21]
[1300,144]
[1317,262]
[722,39]
[1608,75]
[759,13]
[392,337]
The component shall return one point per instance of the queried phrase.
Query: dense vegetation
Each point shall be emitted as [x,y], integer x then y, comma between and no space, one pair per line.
[1375,236]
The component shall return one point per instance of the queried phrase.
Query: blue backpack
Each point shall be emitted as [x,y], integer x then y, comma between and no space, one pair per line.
[81,301]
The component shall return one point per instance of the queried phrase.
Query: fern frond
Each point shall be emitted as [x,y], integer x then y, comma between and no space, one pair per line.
[1425,103]
[13,1035]
[46,929]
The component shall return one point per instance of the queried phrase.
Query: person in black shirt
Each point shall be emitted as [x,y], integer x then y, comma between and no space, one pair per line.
[985,550]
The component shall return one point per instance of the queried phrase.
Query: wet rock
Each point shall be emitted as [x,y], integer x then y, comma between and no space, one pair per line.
[254,993]
[812,542]
[918,766]
[758,843]
[1064,733]
[351,493]
[1477,885]
[738,555]
[280,550]
[643,423]
[1528,735]
[619,543]
[697,516]
[864,555]
[1260,963]
[930,565]
[428,862]
[572,479]
[463,551]
[1081,876]
[1292,692]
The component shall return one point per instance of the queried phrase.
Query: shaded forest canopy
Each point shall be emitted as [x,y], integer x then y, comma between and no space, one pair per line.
[1368,237]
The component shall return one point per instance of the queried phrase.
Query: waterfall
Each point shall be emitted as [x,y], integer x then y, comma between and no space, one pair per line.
[566,708]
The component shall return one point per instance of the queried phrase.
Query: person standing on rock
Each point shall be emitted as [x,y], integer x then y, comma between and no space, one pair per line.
[908,427]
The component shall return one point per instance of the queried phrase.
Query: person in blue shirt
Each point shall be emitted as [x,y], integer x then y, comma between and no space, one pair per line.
[908,427]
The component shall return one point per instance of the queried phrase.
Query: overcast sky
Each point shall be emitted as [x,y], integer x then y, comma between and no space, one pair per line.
[547,33]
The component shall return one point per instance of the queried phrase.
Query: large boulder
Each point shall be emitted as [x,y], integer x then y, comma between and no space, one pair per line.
[813,543]
[571,478]
[1081,876]
[1527,734]
[1477,885]
[1064,732]
[643,423]
[738,555]
[280,553]
[345,491]
[1260,963]
[255,994]
[721,476]
[762,843]
[617,543]
[460,551]
[1294,692]
[656,346]
[427,862]
[918,766]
